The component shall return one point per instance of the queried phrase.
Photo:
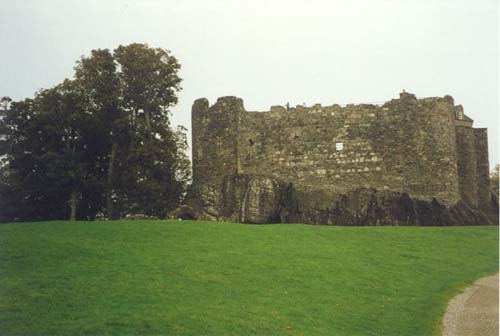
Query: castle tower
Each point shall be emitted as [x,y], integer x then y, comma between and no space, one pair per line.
[215,138]
[472,161]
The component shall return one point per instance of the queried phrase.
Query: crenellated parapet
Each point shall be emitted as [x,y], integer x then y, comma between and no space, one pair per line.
[425,148]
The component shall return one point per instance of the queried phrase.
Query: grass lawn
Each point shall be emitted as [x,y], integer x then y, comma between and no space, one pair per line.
[195,278]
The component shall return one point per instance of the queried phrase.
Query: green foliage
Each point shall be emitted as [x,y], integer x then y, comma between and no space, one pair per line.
[199,278]
[39,160]
[149,84]
[99,142]
[494,180]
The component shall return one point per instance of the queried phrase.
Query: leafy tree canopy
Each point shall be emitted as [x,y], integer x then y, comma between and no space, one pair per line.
[98,143]
[494,179]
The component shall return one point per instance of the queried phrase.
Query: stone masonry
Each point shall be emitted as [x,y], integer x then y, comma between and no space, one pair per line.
[407,162]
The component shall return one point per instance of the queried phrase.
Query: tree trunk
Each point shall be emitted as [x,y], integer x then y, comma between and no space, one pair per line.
[109,200]
[73,202]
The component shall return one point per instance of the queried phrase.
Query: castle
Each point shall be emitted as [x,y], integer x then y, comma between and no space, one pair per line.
[410,158]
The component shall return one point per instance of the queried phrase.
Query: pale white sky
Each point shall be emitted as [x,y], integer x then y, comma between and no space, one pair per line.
[272,52]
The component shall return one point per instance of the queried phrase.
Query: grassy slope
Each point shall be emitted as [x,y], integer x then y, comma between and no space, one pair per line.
[192,278]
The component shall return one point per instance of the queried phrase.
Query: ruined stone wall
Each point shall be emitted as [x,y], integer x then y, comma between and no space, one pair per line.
[466,164]
[215,156]
[406,162]
[482,168]
[473,164]
[406,145]
[215,138]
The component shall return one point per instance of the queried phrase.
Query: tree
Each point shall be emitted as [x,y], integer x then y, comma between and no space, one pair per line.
[155,174]
[149,82]
[132,91]
[9,200]
[149,170]
[494,179]
[98,80]
[101,141]
[50,157]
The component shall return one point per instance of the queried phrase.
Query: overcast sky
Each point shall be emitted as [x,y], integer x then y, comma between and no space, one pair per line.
[272,52]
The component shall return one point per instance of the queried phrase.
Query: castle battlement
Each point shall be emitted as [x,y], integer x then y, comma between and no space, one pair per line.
[425,148]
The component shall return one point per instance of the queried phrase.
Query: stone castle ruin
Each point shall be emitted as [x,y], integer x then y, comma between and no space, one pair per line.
[407,162]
